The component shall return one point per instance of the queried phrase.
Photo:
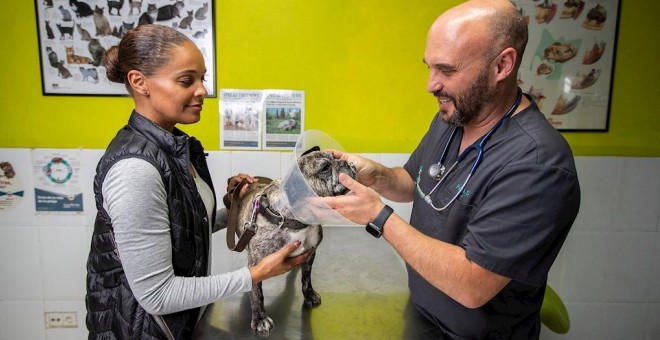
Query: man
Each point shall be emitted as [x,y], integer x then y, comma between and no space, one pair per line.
[483,233]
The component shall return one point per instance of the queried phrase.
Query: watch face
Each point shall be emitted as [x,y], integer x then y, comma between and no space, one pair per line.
[373,230]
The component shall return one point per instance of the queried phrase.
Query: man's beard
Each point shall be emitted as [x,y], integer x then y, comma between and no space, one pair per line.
[468,104]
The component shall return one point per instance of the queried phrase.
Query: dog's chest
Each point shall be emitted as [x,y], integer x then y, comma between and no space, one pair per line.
[309,237]
[270,237]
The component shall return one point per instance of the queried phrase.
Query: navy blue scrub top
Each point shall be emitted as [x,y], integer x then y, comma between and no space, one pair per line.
[511,218]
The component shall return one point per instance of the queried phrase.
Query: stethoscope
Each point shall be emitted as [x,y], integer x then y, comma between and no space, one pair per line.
[438,170]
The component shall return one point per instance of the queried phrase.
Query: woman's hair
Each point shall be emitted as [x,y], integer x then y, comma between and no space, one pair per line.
[145,48]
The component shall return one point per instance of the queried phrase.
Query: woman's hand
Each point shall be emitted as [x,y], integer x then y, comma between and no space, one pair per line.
[234,181]
[278,262]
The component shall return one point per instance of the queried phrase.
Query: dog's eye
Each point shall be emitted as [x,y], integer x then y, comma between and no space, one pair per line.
[325,167]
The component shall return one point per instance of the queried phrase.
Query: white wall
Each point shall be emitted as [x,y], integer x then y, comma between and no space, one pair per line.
[606,273]
[609,268]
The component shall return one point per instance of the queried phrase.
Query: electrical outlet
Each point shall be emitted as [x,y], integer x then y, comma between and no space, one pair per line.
[61,319]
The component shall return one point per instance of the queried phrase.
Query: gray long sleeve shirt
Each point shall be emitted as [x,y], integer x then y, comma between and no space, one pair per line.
[134,197]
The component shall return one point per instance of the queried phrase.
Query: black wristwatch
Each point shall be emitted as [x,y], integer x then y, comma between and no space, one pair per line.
[375,227]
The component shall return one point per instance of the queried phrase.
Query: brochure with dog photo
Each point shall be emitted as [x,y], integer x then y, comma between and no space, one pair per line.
[261,119]
[240,119]
[284,117]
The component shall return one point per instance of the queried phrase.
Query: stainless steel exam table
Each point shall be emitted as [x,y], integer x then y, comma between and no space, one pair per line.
[363,288]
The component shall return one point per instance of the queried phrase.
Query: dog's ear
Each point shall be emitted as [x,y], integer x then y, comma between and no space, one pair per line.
[313,148]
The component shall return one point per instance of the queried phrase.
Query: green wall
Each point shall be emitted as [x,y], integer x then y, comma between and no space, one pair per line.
[359,63]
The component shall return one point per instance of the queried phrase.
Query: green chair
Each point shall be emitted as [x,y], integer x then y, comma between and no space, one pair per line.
[553,312]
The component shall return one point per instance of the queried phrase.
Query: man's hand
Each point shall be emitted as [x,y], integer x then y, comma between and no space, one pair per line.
[360,205]
[366,169]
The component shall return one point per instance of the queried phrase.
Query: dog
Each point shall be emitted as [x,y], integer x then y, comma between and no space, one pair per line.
[287,125]
[275,225]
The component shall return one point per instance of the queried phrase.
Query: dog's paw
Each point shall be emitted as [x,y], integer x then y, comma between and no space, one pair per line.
[312,300]
[262,326]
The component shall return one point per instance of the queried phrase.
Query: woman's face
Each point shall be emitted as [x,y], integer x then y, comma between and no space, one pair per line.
[176,90]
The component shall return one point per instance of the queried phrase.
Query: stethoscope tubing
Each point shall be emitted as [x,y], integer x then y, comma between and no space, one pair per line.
[480,150]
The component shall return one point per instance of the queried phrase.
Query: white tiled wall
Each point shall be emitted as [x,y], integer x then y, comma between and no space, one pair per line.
[607,272]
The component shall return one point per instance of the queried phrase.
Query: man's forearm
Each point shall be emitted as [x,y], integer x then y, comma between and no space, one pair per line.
[394,184]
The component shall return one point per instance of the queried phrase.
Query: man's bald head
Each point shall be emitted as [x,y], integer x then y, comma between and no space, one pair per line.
[488,25]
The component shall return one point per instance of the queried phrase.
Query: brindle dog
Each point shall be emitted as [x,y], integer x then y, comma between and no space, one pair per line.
[267,208]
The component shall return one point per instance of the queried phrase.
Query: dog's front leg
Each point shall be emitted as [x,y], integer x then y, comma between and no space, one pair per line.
[312,298]
[261,323]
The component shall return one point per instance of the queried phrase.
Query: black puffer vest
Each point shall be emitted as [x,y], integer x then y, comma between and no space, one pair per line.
[112,310]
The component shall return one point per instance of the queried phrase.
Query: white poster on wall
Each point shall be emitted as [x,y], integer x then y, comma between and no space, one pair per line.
[75,35]
[283,116]
[16,187]
[57,181]
[261,119]
[240,119]
[11,187]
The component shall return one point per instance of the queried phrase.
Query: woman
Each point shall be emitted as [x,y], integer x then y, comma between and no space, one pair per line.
[149,264]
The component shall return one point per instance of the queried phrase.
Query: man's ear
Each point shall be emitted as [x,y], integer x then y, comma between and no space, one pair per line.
[506,63]
[137,81]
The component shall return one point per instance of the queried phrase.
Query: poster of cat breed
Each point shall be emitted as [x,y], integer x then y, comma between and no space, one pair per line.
[75,34]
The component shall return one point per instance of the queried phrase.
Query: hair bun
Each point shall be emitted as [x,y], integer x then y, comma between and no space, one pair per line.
[112,69]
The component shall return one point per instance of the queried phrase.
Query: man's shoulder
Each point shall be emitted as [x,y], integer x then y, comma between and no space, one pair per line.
[539,142]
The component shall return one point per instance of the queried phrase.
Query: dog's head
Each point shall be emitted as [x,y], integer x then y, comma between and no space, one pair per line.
[321,171]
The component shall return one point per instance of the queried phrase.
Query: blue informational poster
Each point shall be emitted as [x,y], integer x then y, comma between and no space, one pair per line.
[57,181]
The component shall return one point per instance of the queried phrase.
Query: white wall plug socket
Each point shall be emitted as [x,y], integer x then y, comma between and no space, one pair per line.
[61,319]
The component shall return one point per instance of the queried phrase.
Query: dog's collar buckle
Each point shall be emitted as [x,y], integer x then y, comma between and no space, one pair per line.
[250,226]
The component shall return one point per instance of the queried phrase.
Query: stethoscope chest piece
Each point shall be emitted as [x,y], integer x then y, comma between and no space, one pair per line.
[436,171]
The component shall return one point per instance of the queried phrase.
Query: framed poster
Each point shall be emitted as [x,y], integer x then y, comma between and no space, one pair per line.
[569,61]
[74,35]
